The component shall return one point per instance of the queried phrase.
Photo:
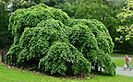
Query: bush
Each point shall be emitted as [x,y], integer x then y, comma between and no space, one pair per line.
[47,39]
[68,60]
[29,18]
[92,39]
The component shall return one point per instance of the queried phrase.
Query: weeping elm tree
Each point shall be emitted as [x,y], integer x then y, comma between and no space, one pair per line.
[46,39]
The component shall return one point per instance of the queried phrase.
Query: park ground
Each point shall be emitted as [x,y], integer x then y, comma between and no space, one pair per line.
[10,74]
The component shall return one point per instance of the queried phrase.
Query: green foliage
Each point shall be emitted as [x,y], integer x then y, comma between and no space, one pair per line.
[36,41]
[105,62]
[4,33]
[98,33]
[67,7]
[96,10]
[47,39]
[104,11]
[30,17]
[116,3]
[67,58]
[125,29]
[92,39]
[12,53]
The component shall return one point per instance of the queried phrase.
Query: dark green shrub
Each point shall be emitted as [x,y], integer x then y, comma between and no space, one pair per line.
[29,18]
[47,39]
[84,40]
[36,41]
[99,32]
[12,54]
[67,58]
[92,39]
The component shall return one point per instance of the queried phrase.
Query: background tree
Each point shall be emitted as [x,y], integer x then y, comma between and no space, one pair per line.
[17,4]
[4,34]
[6,8]
[125,27]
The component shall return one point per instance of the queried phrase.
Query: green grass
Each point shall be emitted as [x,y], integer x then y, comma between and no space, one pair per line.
[119,59]
[121,62]
[17,75]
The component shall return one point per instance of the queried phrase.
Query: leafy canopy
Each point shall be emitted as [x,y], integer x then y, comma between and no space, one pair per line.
[125,29]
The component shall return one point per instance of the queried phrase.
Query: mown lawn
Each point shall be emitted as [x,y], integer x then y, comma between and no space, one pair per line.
[119,59]
[16,75]
[120,62]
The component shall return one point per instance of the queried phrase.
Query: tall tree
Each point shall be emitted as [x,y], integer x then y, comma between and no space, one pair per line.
[4,34]
[125,29]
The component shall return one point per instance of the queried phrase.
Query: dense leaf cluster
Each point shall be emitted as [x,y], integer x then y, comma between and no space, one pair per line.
[47,39]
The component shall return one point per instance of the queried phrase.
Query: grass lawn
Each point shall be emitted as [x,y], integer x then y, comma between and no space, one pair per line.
[120,62]
[17,75]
